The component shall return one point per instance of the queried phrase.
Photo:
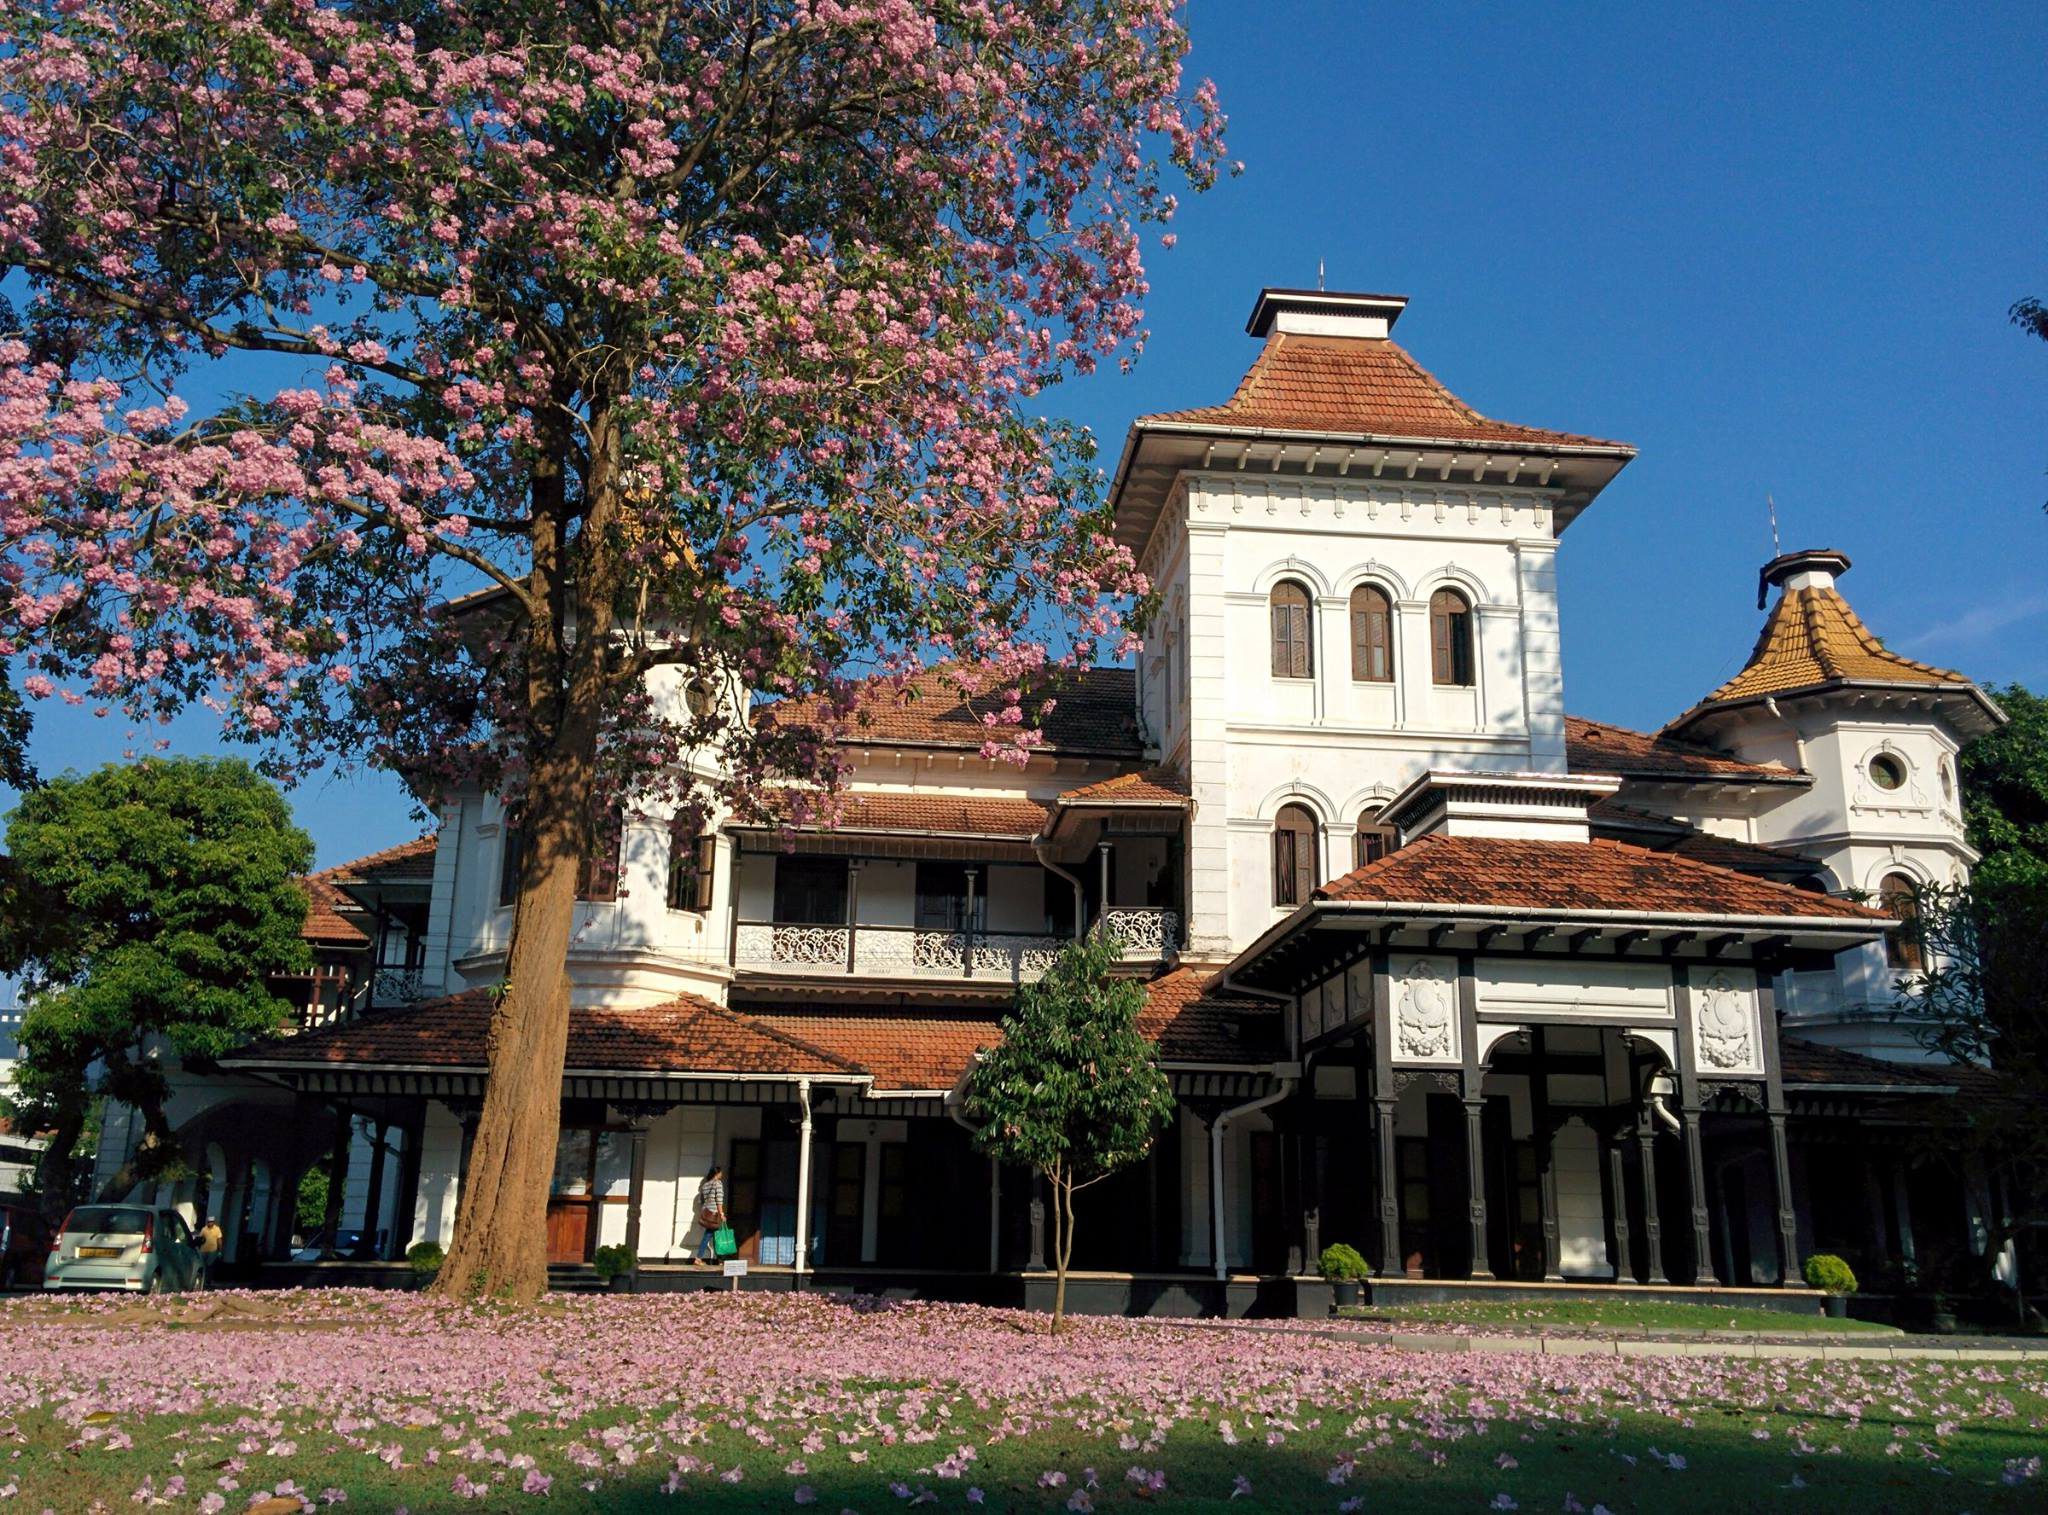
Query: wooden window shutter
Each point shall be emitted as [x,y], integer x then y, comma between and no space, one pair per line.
[1371,636]
[1294,856]
[598,880]
[1293,653]
[1450,639]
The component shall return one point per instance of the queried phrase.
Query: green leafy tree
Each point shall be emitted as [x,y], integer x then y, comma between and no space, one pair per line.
[177,884]
[1072,1091]
[2005,792]
[1979,998]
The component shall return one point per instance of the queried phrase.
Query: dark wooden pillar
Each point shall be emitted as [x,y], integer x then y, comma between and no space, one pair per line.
[1475,1110]
[1789,1273]
[373,1193]
[337,1174]
[1617,1202]
[1543,1132]
[1387,1192]
[1653,1228]
[636,1187]
[414,1134]
[1690,1114]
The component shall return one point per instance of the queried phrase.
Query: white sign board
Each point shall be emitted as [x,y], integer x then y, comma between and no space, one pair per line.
[735,1267]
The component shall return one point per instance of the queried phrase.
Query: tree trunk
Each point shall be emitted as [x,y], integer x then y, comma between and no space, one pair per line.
[58,1179]
[500,1242]
[1062,1245]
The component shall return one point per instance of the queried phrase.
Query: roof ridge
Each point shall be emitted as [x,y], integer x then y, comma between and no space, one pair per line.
[371,860]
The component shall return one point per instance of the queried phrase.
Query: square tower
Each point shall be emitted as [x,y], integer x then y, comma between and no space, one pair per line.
[1357,576]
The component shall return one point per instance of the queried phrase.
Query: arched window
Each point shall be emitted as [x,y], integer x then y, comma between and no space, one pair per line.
[1450,639]
[1898,895]
[1371,841]
[1294,654]
[1372,636]
[692,867]
[1294,855]
[697,695]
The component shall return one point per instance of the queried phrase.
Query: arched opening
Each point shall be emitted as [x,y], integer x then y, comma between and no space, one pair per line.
[1371,841]
[1294,855]
[1293,641]
[1899,896]
[1372,635]
[1450,639]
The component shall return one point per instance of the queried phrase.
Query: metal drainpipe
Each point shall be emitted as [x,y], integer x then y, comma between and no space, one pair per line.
[803,1183]
[1038,846]
[1216,1131]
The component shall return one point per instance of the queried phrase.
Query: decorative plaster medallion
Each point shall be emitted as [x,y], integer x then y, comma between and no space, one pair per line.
[1724,1025]
[1423,1019]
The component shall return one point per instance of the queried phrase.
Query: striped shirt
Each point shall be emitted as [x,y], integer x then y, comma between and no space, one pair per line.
[711,1197]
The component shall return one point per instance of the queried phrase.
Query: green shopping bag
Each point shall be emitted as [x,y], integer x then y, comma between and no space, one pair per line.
[723,1242]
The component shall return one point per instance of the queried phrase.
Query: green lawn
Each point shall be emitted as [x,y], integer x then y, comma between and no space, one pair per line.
[764,1403]
[1617,1315]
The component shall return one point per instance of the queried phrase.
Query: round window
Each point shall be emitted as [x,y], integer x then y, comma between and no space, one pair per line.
[1887,772]
[1948,781]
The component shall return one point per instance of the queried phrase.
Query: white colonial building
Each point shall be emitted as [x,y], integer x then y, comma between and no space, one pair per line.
[1483,988]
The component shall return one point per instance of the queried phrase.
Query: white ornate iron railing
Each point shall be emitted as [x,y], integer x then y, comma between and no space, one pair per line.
[906,952]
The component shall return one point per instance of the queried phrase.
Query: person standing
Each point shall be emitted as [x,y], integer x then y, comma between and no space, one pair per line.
[710,1214]
[208,1241]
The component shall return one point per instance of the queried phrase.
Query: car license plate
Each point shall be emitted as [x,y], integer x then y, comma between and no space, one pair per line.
[99,1251]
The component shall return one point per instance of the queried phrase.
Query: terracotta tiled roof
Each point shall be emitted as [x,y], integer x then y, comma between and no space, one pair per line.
[1812,637]
[1805,1062]
[683,1035]
[1193,1024]
[1597,747]
[1525,874]
[1093,710]
[904,1049]
[1155,786]
[950,814]
[1660,833]
[325,922]
[328,906]
[408,860]
[1360,386]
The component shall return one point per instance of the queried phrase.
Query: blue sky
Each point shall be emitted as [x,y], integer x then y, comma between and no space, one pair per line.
[1772,246]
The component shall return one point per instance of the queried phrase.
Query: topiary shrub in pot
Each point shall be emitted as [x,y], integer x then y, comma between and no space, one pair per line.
[1345,1269]
[1834,1278]
[426,1258]
[615,1265]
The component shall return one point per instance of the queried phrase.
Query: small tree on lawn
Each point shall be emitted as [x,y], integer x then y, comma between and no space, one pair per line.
[1072,1091]
[179,898]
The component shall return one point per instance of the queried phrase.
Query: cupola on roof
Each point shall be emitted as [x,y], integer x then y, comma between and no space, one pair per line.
[1332,393]
[1812,643]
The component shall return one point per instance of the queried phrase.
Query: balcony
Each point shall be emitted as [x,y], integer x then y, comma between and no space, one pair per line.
[1149,934]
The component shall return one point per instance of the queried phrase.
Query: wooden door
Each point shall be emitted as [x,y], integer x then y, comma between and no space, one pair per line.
[1269,1225]
[572,1199]
[845,1203]
[743,1197]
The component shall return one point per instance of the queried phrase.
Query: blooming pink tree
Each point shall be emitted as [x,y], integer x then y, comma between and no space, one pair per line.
[419,380]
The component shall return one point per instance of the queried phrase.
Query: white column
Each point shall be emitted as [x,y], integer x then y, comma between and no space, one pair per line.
[1208,760]
[1542,652]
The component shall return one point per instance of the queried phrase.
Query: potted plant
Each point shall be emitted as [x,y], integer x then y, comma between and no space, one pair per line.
[426,1258]
[1834,1278]
[615,1265]
[1345,1269]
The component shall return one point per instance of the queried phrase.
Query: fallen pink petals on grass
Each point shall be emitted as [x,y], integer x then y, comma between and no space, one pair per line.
[761,1401]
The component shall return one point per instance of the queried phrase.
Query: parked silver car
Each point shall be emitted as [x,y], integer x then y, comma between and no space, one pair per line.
[144,1248]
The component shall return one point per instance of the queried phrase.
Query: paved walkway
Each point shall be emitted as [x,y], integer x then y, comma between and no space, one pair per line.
[1831,1348]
